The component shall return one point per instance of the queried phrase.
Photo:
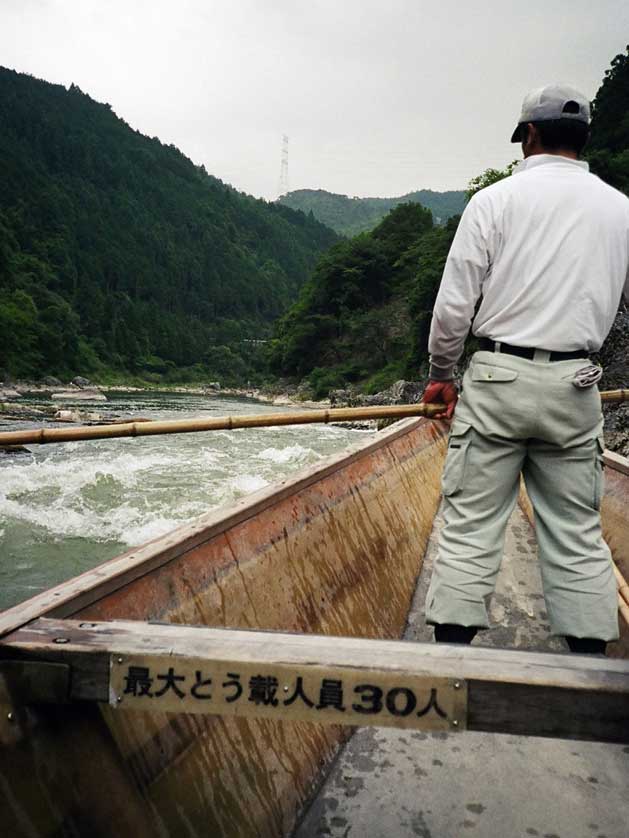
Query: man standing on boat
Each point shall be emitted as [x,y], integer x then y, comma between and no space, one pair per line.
[539,263]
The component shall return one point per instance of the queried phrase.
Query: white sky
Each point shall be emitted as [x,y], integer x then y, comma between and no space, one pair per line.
[378,97]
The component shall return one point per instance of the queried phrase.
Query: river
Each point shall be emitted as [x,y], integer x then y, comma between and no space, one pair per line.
[65,508]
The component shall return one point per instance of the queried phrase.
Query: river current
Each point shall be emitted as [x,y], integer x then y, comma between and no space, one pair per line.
[65,508]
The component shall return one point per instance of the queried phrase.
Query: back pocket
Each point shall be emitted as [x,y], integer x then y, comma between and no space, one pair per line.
[489,372]
[456,458]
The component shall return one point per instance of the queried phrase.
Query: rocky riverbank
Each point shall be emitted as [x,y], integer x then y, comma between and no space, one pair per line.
[614,358]
[80,389]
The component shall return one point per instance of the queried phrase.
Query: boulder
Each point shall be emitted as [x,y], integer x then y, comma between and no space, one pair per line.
[614,354]
[81,382]
[10,410]
[51,381]
[374,400]
[75,415]
[67,416]
[343,398]
[12,450]
[7,394]
[402,392]
[213,385]
[406,392]
[79,395]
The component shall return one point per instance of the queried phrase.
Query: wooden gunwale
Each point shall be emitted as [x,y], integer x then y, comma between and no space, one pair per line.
[74,594]
[616,462]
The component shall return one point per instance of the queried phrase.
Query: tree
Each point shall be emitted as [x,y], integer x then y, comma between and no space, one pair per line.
[124,246]
[608,149]
[488,177]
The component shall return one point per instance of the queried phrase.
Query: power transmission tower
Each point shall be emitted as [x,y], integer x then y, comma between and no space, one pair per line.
[283,186]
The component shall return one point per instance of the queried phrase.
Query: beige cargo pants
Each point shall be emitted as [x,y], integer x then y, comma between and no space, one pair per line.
[519,416]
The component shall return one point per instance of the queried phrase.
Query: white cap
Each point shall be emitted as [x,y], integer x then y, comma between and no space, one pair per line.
[554,101]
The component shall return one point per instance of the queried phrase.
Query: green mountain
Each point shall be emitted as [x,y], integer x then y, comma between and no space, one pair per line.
[118,253]
[364,316]
[350,216]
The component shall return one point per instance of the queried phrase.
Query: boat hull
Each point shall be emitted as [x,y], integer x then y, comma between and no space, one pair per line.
[334,551]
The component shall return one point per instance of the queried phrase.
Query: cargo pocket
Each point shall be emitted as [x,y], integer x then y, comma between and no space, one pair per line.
[599,477]
[489,372]
[454,469]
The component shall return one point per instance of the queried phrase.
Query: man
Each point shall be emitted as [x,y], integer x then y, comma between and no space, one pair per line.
[542,257]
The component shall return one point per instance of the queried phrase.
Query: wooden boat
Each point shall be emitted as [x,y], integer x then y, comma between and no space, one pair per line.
[333,552]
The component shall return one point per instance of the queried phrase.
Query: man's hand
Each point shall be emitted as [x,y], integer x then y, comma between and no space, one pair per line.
[444,392]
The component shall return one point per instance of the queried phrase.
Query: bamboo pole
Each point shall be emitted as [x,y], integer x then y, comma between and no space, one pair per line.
[42,436]
[615,396]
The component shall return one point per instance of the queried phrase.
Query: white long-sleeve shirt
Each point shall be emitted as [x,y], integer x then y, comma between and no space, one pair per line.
[547,253]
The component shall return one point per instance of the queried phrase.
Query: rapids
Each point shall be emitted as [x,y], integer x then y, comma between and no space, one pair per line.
[64,508]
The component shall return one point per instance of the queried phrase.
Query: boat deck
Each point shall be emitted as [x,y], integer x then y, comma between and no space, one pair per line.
[388,782]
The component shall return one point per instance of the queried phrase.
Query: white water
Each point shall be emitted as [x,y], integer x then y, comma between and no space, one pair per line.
[65,508]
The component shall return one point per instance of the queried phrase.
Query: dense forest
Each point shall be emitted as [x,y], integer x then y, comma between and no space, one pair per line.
[118,254]
[364,316]
[350,216]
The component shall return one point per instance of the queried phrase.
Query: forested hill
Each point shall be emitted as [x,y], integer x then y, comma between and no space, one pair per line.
[117,252]
[351,216]
[364,317]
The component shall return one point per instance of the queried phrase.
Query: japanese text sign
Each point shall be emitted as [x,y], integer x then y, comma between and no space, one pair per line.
[332,695]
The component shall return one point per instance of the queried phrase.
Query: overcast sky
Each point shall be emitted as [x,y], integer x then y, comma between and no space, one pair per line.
[378,97]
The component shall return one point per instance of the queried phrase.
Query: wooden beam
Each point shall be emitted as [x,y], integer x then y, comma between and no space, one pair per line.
[164,667]
[616,461]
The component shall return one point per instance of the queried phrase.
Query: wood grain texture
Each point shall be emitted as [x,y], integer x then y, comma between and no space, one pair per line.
[579,697]
[334,550]
[550,711]
[70,597]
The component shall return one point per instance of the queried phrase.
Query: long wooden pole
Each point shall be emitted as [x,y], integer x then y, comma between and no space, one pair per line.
[186,426]
[615,396]
[42,436]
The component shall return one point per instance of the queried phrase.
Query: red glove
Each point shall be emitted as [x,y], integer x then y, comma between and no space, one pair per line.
[444,392]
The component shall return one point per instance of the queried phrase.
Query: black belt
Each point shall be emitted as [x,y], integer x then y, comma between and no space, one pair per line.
[488,345]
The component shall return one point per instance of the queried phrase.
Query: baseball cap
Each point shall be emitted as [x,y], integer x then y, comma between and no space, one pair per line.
[554,101]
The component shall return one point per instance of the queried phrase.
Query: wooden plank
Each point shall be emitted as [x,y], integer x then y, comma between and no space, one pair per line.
[616,461]
[580,697]
[77,593]
[591,715]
